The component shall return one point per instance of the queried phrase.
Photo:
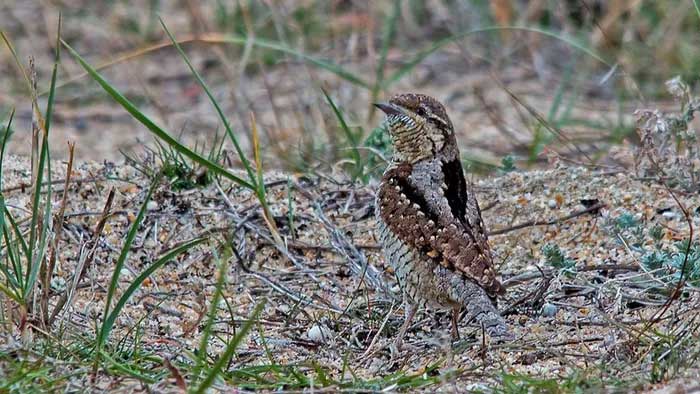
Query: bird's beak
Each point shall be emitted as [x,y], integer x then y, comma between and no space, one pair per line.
[390,109]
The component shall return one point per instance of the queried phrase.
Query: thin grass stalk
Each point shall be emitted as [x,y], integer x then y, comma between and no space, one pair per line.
[219,111]
[138,281]
[48,270]
[58,230]
[261,193]
[84,264]
[40,221]
[218,367]
[255,178]
[387,40]
[104,329]
[201,361]
[152,127]
[121,260]
[352,139]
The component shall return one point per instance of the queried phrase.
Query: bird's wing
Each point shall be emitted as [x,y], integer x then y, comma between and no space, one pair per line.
[463,204]
[452,244]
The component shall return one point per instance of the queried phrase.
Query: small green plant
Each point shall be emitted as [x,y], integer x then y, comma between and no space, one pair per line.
[626,221]
[656,233]
[379,149]
[180,172]
[576,382]
[672,264]
[556,258]
[507,164]
[627,229]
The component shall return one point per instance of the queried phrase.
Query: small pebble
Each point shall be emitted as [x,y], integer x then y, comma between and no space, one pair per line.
[552,204]
[549,310]
[319,333]
[669,215]
[152,206]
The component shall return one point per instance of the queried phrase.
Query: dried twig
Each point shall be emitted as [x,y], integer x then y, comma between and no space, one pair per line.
[532,297]
[86,261]
[297,297]
[58,228]
[358,262]
[533,223]
[368,351]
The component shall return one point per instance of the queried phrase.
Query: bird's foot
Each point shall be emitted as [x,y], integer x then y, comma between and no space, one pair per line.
[500,333]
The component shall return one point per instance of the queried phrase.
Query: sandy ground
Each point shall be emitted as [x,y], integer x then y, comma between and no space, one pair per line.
[591,316]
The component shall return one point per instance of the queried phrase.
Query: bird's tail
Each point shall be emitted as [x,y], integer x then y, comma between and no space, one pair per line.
[486,315]
[481,309]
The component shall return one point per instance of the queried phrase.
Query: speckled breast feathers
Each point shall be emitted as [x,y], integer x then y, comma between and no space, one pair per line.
[424,198]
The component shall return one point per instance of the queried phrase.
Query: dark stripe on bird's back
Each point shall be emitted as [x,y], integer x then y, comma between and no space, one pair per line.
[456,192]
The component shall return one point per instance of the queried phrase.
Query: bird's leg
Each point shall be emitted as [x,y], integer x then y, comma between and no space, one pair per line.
[410,311]
[455,320]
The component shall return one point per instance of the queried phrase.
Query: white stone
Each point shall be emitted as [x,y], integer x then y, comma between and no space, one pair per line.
[319,333]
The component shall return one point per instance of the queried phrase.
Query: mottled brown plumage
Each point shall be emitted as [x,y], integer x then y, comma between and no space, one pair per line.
[430,223]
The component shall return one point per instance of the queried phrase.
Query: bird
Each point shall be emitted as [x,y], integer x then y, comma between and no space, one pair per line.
[429,222]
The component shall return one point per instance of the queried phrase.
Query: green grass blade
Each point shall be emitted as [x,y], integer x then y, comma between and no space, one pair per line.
[326,65]
[152,127]
[126,370]
[17,230]
[12,277]
[387,40]
[216,369]
[44,160]
[422,55]
[348,134]
[119,305]
[114,281]
[9,293]
[54,72]
[211,314]
[36,253]
[222,117]
[5,139]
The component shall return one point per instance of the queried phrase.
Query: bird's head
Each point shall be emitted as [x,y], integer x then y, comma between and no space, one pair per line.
[419,127]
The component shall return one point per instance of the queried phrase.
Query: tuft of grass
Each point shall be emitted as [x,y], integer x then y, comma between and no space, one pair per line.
[254,181]
[576,382]
[25,249]
[110,313]
[176,168]
[310,375]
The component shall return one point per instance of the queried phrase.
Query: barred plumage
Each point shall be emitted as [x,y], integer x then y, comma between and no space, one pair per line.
[430,224]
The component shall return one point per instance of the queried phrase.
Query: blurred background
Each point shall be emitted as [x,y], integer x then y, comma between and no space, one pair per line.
[521,79]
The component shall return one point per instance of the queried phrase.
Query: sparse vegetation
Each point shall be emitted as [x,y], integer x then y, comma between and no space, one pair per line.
[203,263]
